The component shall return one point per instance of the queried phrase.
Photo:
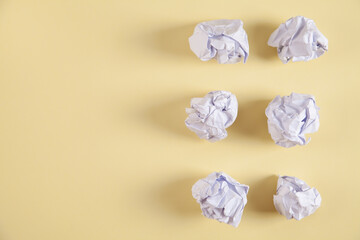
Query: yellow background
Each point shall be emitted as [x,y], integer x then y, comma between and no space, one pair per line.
[92,137]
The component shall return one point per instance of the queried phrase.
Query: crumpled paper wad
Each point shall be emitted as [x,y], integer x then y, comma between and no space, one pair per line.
[298,39]
[224,39]
[291,117]
[209,116]
[221,197]
[295,199]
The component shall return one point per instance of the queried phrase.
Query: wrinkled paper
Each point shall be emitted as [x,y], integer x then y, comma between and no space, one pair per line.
[291,117]
[209,116]
[224,39]
[221,197]
[298,39]
[295,199]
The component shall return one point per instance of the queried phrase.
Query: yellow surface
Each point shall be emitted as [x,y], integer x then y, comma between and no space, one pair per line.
[92,137]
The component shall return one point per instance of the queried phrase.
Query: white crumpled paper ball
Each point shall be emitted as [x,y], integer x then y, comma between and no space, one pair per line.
[224,39]
[291,117]
[298,39]
[295,199]
[221,198]
[209,116]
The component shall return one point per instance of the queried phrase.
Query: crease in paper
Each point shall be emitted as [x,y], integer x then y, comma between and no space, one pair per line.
[225,40]
[298,39]
[291,117]
[295,199]
[209,116]
[221,197]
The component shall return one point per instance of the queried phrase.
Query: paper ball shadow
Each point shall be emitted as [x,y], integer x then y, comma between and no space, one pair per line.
[251,121]
[260,196]
[176,197]
[174,41]
[170,116]
[258,35]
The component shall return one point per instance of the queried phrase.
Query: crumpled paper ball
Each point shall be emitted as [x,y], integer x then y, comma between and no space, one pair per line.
[224,39]
[221,197]
[298,39]
[291,117]
[295,199]
[209,116]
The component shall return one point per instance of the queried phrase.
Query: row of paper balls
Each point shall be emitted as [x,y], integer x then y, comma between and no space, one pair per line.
[298,39]
[223,198]
[289,117]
